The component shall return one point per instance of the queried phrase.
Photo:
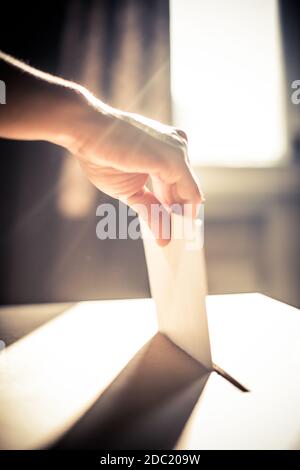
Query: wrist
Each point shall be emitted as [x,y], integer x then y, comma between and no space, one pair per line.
[78,115]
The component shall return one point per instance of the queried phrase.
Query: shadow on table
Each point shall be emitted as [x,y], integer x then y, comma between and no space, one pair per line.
[147,405]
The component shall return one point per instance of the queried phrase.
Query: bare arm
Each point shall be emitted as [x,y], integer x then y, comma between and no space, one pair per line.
[39,106]
[118,151]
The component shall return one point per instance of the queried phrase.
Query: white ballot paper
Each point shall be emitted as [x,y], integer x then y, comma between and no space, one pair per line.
[178,286]
[176,273]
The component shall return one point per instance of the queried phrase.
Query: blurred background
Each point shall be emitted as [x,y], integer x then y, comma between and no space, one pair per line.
[223,71]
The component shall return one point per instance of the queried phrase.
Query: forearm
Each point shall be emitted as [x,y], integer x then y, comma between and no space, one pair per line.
[118,151]
[40,106]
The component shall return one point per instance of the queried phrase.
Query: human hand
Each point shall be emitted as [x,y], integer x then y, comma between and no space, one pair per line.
[119,151]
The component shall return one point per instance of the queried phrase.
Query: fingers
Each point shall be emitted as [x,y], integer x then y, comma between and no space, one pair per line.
[177,175]
[187,191]
[153,212]
[169,169]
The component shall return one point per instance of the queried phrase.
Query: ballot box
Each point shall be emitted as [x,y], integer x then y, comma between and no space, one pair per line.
[98,375]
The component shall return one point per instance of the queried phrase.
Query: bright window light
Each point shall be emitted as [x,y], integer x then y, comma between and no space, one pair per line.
[227,80]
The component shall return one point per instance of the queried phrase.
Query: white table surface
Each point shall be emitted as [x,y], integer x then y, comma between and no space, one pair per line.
[51,377]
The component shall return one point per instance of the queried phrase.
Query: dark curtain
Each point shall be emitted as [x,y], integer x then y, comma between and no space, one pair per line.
[48,245]
[290,26]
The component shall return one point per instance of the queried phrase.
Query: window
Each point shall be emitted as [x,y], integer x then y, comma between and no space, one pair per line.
[227,80]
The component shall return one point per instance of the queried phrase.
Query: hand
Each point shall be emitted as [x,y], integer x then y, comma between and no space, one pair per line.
[120,151]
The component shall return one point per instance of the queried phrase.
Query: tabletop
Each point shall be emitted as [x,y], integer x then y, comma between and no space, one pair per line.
[99,375]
